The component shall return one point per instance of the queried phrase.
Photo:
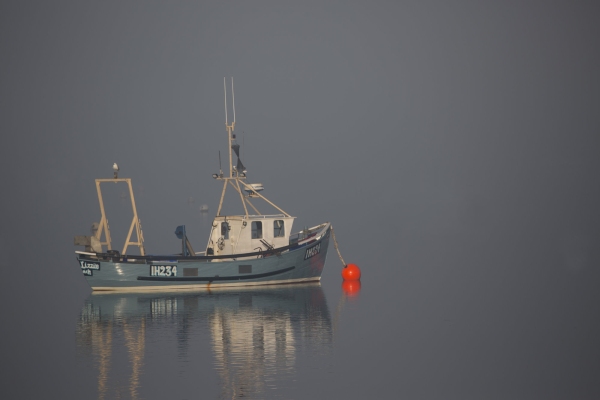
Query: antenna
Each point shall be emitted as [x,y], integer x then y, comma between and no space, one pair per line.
[233,98]
[230,128]
[225,91]
[220,169]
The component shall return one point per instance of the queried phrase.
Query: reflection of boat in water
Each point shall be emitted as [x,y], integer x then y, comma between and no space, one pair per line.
[255,334]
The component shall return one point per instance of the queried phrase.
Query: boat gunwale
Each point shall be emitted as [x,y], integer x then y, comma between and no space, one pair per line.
[177,257]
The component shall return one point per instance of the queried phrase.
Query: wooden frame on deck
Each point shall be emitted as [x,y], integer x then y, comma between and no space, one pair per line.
[135,222]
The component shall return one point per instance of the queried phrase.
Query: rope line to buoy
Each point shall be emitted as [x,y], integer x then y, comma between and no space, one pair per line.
[336,246]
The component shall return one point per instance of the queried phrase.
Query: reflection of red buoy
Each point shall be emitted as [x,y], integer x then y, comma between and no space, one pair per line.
[351,288]
[351,272]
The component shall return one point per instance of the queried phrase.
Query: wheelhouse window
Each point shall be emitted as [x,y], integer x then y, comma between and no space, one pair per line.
[257,230]
[225,230]
[278,230]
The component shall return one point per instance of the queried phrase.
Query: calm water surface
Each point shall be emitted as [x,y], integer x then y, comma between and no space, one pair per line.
[455,316]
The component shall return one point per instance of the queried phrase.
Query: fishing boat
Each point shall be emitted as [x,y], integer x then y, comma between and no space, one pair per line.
[246,249]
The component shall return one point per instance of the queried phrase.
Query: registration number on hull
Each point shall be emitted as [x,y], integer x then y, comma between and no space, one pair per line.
[313,251]
[163,270]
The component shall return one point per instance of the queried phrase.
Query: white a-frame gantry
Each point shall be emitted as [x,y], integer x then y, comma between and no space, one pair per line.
[135,223]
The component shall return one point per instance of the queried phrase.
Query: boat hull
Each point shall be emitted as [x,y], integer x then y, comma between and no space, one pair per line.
[303,263]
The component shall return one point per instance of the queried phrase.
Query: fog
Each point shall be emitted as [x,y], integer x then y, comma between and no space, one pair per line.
[454,147]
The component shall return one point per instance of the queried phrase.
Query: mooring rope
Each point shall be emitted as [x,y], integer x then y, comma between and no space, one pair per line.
[336,246]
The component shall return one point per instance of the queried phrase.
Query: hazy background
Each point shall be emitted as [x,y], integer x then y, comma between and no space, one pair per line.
[453,145]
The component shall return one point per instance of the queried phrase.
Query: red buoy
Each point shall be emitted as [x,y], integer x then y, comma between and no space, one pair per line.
[351,288]
[351,272]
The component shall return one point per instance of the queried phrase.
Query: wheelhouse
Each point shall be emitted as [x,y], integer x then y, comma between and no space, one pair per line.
[248,233]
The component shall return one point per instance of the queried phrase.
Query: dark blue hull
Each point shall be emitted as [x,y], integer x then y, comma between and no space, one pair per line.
[293,264]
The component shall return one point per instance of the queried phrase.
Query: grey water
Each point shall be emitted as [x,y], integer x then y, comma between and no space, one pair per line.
[453,146]
[450,317]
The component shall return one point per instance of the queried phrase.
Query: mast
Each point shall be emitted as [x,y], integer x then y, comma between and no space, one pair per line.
[235,175]
[229,127]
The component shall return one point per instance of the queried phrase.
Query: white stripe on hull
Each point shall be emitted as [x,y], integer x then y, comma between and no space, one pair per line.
[201,285]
